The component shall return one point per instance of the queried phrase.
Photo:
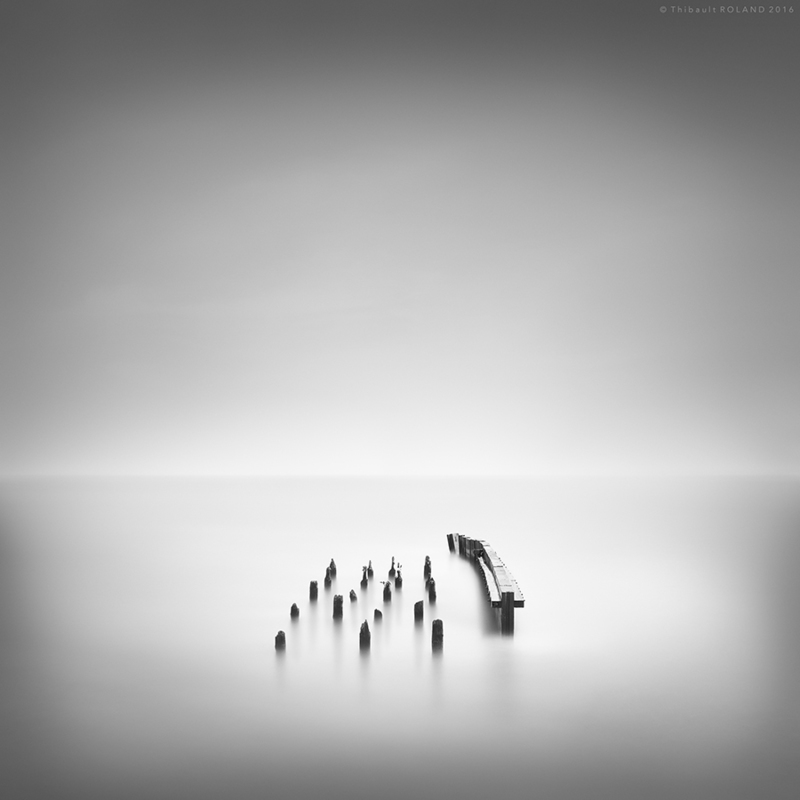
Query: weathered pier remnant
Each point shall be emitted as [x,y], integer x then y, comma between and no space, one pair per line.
[327,577]
[333,568]
[364,636]
[387,591]
[398,580]
[426,571]
[294,611]
[392,569]
[432,590]
[313,590]
[364,579]
[437,634]
[337,606]
[280,640]
[370,571]
[353,597]
[501,587]
[418,611]
[378,615]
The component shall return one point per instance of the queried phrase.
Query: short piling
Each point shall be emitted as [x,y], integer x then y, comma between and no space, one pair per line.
[437,634]
[426,571]
[333,568]
[378,615]
[432,590]
[353,596]
[364,636]
[313,591]
[418,606]
[337,606]
[387,592]
[280,640]
[294,611]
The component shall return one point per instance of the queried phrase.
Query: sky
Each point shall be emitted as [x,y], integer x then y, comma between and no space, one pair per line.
[398,238]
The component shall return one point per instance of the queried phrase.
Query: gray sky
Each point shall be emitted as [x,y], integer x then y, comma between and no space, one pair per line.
[398,238]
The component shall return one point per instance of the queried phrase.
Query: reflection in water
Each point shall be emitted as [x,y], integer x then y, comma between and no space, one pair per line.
[653,658]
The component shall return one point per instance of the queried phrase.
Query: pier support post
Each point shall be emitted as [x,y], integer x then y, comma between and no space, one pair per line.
[313,590]
[507,612]
[337,606]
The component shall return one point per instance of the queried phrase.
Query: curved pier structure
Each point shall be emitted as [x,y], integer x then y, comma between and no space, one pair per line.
[501,587]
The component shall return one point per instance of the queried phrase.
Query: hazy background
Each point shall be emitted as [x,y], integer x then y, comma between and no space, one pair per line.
[397,238]
[497,241]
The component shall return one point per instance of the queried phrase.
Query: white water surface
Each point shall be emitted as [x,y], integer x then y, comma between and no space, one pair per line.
[656,655]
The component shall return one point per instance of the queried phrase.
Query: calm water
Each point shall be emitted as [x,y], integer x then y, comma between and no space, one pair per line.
[657,655]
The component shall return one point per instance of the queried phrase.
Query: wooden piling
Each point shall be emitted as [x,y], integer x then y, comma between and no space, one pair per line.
[294,611]
[418,611]
[378,615]
[432,590]
[426,570]
[364,636]
[337,606]
[280,640]
[333,568]
[387,592]
[313,591]
[353,596]
[437,634]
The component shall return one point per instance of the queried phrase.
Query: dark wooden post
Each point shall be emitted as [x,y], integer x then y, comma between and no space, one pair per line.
[451,545]
[333,568]
[353,597]
[294,612]
[313,590]
[370,571]
[364,636]
[387,592]
[337,606]
[507,612]
[364,580]
[280,640]
[378,616]
[437,634]
[432,590]
[426,570]
[398,580]
[327,577]
[418,611]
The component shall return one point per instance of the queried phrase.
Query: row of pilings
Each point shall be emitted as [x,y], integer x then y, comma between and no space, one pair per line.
[365,635]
